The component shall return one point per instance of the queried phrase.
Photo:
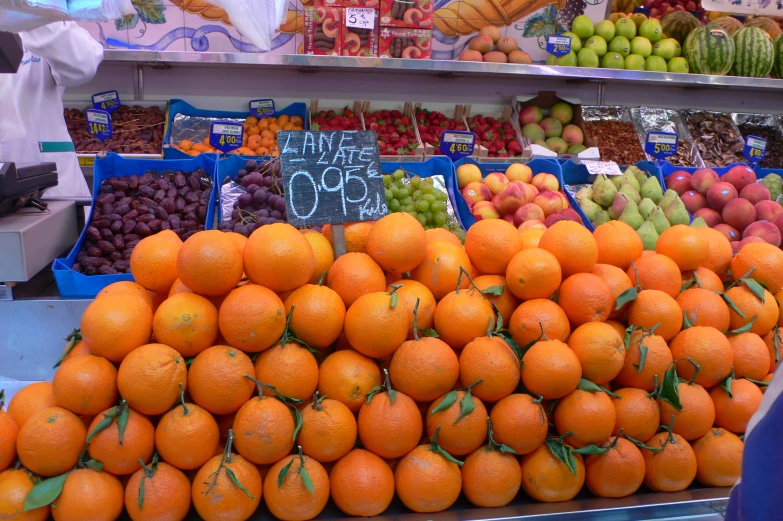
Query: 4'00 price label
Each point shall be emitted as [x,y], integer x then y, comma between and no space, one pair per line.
[755,149]
[661,144]
[226,136]
[108,101]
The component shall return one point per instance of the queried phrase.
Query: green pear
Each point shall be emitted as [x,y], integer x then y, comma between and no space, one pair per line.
[590,208]
[676,213]
[658,219]
[631,216]
[629,178]
[621,201]
[602,217]
[617,181]
[645,207]
[631,192]
[603,191]
[699,222]
[640,174]
[648,234]
[651,189]
[584,193]
[667,198]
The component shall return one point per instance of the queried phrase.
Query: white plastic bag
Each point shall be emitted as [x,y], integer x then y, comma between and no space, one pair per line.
[24,15]
[256,20]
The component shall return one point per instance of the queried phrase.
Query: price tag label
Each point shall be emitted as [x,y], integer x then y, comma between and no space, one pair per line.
[262,108]
[331,176]
[360,17]
[226,136]
[755,149]
[99,123]
[661,144]
[558,45]
[608,168]
[108,101]
[457,143]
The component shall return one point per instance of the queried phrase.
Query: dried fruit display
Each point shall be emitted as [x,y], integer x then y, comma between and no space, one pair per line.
[717,137]
[617,140]
[137,130]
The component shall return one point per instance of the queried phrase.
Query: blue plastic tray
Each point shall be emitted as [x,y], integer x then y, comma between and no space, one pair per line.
[667,169]
[178,106]
[550,166]
[438,165]
[72,284]
[576,174]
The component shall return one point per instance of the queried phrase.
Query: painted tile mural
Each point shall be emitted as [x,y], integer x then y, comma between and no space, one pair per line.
[196,25]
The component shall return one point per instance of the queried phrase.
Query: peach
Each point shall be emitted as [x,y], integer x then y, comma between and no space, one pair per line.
[740,176]
[496,182]
[730,233]
[764,230]
[735,246]
[470,56]
[778,221]
[719,194]
[739,213]
[519,172]
[703,178]
[570,214]
[755,193]
[484,210]
[679,181]
[475,192]
[532,224]
[767,210]
[544,181]
[514,195]
[710,216]
[496,202]
[508,218]
[528,212]
[750,239]
[550,202]
[467,173]
[693,201]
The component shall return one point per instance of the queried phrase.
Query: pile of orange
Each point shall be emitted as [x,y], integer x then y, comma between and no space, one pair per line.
[241,372]
[260,137]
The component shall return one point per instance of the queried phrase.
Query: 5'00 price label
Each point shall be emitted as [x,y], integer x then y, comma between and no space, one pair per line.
[457,143]
[558,45]
[226,136]
[99,123]
[108,101]
[661,144]
[755,149]
[262,108]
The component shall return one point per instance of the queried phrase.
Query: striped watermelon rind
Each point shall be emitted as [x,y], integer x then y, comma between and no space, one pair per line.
[679,24]
[709,50]
[777,67]
[754,53]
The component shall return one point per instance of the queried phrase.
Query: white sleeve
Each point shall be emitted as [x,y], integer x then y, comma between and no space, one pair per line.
[72,54]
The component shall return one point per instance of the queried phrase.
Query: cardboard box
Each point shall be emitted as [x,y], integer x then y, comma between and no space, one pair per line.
[396,42]
[503,114]
[414,14]
[545,100]
[322,31]
[357,41]
[456,115]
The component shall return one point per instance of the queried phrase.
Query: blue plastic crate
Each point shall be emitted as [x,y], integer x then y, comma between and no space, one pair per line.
[178,106]
[550,166]
[576,174]
[72,284]
[667,169]
[764,172]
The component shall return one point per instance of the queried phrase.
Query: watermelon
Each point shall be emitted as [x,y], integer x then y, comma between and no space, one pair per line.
[753,53]
[769,26]
[709,50]
[777,67]
[731,24]
[678,24]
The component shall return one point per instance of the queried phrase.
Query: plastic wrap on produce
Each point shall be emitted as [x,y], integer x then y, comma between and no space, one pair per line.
[716,137]
[601,113]
[665,120]
[229,193]
[765,126]
[615,132]
[194,128]
[439,183]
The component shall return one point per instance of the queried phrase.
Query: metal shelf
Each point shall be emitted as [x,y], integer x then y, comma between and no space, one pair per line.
[438,68]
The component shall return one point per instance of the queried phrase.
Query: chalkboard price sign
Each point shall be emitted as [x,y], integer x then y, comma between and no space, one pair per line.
[331,176]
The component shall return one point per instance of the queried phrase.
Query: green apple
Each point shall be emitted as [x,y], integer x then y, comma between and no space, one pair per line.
[641,46]
[582,26]
[677,49]
[620,44]
[567,60]
[587,58]
[551,59]
[605,30]
[678,64]
[655,63]
[597,44]
[665,48]
[576,43]
[634,62]
[638,18]
[613,60]
[651,29]
[625,27]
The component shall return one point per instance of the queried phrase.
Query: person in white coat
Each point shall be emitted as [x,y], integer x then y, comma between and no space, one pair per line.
[32,127]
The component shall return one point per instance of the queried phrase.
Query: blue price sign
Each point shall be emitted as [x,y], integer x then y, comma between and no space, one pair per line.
[661,144]
[108,101]
[755,149]
[226,136]
[558,45]
[457,143]
[99,123]
[262,108]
